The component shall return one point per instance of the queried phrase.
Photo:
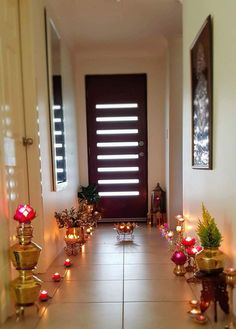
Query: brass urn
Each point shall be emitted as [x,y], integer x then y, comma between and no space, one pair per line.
[210,260]
[24,256]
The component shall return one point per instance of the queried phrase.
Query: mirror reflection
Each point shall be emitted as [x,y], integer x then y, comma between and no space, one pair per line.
[56,111]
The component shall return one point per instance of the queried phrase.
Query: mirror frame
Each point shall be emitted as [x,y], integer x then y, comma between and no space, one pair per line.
[59,180]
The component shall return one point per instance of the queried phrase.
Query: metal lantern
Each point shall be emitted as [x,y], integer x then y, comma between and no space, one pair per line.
[158,205]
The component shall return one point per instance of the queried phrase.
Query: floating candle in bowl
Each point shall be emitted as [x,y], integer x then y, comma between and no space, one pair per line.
[56,277]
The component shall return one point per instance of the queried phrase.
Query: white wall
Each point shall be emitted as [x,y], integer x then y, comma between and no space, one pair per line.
[155,69]
[217,187]
[174,133]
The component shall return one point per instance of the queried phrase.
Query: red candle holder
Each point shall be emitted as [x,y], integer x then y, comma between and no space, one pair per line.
[204,304]
[188,241]
[43,296]
[56,277]
[200,318]
[24,213]
[192,251]
[67,263]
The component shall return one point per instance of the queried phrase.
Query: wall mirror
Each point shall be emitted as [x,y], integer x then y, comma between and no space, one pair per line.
[55,92]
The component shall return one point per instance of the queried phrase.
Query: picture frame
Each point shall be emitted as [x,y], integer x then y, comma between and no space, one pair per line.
[202,93]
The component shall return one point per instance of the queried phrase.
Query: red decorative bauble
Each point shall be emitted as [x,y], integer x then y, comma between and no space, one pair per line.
[179,258]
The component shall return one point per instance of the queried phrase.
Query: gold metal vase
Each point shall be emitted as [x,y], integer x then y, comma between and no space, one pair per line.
[24,256]
[210,260]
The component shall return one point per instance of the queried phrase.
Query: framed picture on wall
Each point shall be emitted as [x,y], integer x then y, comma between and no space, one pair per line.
[201,78]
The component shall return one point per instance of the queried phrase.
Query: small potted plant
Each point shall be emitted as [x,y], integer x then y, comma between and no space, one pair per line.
[88,197]
[210,258]
[89,194]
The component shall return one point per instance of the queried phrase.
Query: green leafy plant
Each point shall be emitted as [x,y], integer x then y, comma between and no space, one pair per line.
[89,193]
[207,230]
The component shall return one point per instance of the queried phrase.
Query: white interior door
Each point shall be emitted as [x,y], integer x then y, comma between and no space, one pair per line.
[13,162]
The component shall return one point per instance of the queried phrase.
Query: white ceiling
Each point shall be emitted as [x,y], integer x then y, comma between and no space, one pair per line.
[89,25]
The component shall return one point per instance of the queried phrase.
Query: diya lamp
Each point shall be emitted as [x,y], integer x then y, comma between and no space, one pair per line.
[200,319]
[43,296]
[178,217]
[180,220]
[179,258]
[195,309]
[170,235]
[56,277]
[67,263]
[188,241]
[230,274]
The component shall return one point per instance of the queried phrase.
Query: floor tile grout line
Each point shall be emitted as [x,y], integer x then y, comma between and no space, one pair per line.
[123,290]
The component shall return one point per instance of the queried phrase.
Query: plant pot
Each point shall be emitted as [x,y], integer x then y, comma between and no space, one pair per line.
[210,260]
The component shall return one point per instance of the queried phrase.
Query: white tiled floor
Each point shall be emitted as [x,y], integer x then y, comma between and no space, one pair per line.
[117,285]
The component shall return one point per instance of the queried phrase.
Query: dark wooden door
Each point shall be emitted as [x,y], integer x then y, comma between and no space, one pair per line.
[117,143]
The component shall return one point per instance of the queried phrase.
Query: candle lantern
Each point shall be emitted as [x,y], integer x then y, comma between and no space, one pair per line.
[158,206]
[195,309]
[24,256]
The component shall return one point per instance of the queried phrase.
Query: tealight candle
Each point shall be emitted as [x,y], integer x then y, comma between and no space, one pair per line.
[56,277]
[178,217]
[195,311]
[43,296]
[194,302]
[67,263]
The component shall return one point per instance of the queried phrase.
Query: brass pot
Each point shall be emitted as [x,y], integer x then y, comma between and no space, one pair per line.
[25,289]
[210,260]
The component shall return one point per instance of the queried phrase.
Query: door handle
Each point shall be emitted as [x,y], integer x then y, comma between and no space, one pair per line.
[141,143]
[27,141]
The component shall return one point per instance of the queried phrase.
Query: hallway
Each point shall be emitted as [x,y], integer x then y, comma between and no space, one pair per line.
[116,285]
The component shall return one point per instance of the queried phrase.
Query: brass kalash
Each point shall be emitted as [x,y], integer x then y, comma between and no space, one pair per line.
[24,256]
